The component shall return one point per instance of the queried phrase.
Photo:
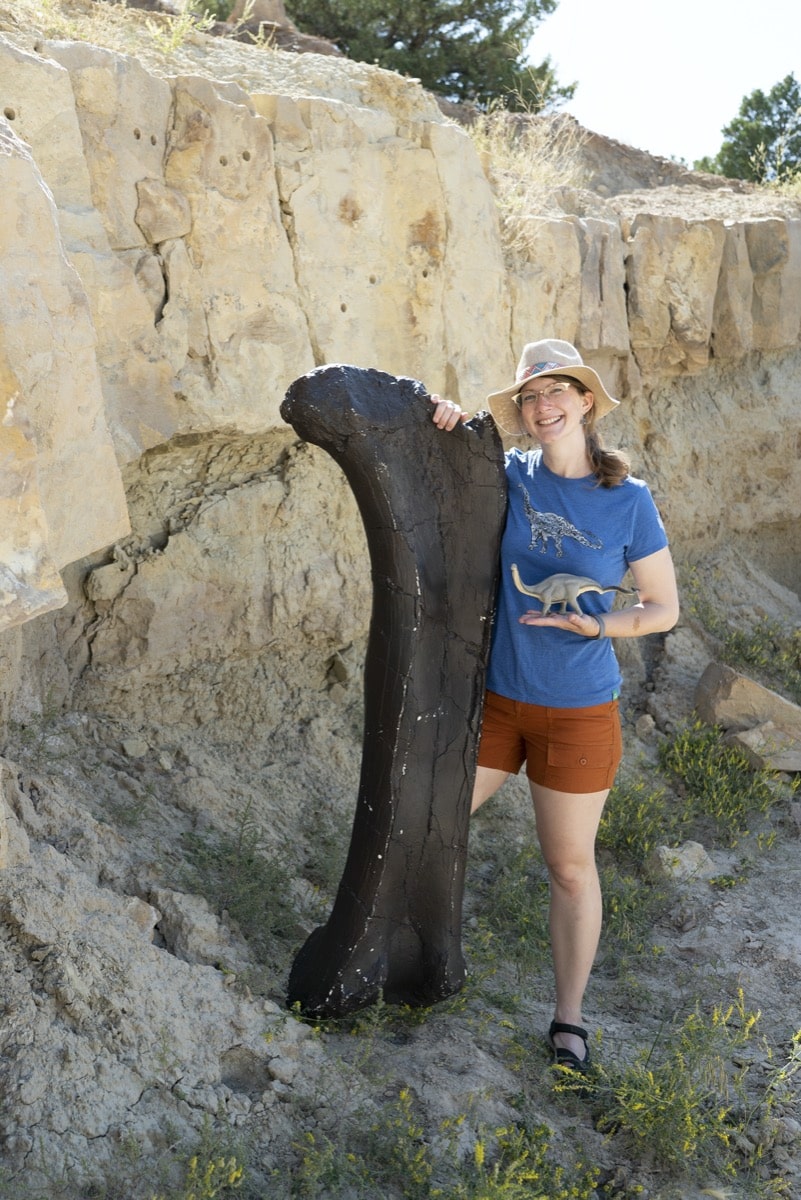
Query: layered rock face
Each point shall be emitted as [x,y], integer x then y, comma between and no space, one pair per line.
[191,245]
[186,244]
[220,242]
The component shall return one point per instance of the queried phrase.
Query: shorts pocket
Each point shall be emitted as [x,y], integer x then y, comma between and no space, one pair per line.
[597,758]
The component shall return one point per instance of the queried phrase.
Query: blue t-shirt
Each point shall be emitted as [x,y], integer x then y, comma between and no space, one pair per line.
[556,525]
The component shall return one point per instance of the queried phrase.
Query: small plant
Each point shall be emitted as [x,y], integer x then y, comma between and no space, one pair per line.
[514,913]
[766,650]
[53,18]
[716,791]
[170,33]
[208,1179]
[400,1137]
[674,1105]
[780,1085]
[393,1152]
[788,184]
[221,10]
[720,788]
[325,1169]
[327,850]
[399,1159]
[239,876]
[630,912]
[775,168]
[636,819]
[369,1025]
[40,737]
[520,1169]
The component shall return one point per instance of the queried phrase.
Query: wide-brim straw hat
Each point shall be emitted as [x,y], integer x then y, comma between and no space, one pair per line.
[548,357]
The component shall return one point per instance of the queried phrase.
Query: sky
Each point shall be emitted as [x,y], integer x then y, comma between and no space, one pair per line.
[666,75]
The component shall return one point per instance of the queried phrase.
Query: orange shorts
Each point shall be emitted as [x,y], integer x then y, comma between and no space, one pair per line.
[567,749]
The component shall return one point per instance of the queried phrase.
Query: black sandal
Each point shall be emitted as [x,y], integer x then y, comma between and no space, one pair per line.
[567,1058]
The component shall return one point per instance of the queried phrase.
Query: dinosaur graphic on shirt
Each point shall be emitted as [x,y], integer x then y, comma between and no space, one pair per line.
[551,525]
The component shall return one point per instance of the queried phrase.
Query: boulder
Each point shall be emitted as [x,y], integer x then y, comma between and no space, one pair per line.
[685,862]
[760,722]
[769,747]
[725,697]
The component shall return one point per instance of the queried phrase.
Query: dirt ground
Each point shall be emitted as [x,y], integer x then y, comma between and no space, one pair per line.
[479,1058]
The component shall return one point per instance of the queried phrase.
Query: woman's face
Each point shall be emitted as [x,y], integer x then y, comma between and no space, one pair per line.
[552,408]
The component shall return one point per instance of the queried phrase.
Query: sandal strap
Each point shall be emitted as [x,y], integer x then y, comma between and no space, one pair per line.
[561,1027]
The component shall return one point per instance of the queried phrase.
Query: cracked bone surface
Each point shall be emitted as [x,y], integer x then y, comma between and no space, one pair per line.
[433,506]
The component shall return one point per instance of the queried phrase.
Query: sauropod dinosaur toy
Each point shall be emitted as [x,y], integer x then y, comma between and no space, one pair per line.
[564,590]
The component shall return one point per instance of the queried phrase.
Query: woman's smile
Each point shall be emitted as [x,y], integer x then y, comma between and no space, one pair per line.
[552,409]
[543,421]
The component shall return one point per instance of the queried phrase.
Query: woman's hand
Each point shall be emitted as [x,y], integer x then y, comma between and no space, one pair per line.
[446,415]
[584,624]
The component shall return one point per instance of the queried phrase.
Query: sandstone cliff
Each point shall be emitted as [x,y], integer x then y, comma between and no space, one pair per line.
[184,595]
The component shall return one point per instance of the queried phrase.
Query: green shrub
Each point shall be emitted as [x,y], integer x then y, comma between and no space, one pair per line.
[630,911]
[208,1179]
[397,1157]
[675,1104]
[719,788]
[636,819]
[518,1168]
[325,1168]
[169,33]
[507,144]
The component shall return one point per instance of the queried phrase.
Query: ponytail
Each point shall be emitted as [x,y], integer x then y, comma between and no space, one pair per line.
[610,467]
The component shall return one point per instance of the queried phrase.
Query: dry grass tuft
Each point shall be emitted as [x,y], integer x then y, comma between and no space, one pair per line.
[107,24]
[788,185]
[153,37]
[527,159]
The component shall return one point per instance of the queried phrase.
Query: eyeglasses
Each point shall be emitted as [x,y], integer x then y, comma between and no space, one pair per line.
[549,393]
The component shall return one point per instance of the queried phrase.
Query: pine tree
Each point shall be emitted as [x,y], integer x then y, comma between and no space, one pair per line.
[465,50]
[763,142]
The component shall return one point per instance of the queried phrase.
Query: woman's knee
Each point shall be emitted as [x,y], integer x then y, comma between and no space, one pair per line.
[572,875]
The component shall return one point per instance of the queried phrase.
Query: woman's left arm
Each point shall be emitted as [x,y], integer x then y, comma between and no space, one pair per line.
[658,607]
[656,611]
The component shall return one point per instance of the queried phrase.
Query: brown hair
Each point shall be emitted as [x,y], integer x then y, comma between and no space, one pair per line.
[610,467]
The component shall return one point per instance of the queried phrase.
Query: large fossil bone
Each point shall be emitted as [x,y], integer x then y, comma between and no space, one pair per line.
[433,505]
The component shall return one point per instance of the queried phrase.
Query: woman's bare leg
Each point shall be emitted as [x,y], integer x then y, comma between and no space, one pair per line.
[487,782]
[566,828]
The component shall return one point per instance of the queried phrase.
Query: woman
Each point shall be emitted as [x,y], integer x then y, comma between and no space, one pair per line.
[553,680]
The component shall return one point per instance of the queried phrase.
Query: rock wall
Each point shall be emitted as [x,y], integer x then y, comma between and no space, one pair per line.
[192,234]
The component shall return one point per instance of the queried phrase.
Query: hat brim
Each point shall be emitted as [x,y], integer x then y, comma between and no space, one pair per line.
[506,414]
